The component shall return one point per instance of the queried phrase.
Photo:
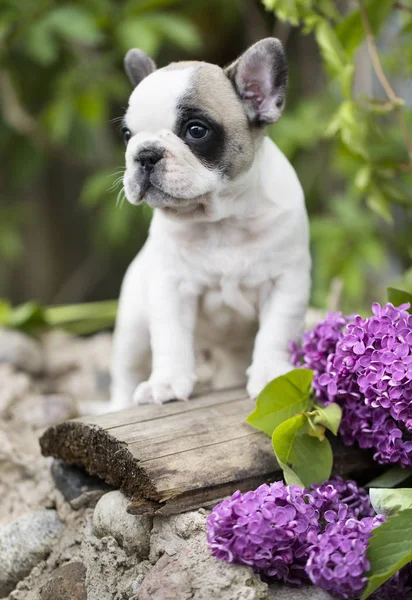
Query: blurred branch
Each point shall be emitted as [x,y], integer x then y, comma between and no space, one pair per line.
[377,66]
[13,111]
[401,6]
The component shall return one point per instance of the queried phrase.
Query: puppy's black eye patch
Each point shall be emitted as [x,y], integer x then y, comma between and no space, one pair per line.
[204,136]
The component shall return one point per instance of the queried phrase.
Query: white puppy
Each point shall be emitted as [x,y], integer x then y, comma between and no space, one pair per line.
[227,259]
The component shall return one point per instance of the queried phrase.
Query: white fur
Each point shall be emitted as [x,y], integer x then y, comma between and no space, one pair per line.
[207,279]
[152,114]
[249,262]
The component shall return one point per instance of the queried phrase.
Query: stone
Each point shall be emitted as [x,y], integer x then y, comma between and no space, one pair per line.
[278,591]
[22,351]
[171,534]
[78,487]
[68,582]
[186,570]
[44,410]
[132,532]
[24,543]
[13,386]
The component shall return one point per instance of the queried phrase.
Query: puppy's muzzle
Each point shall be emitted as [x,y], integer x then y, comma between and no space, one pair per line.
[148,158]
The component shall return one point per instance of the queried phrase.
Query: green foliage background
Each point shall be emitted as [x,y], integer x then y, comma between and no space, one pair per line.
[63,236]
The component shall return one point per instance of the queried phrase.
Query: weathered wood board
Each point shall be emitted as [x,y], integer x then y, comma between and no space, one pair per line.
[178,456]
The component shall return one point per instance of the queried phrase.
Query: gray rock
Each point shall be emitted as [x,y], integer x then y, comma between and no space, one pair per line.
[68,582]
[132,532]
[306,592]
[22,351]
[171,534]
[44,410]
[24,543]
[186,570]
[78,487]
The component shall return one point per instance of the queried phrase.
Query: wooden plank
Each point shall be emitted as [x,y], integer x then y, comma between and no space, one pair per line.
[178,456]
[150,412]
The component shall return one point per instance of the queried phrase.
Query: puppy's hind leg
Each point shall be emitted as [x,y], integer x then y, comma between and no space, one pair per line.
[131,343]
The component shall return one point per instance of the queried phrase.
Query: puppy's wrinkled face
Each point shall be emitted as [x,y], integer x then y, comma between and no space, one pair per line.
[191,127]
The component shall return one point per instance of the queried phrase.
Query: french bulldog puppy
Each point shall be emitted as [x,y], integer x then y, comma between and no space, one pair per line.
[227,262]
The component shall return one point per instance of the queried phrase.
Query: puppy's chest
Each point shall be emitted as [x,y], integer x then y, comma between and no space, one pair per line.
[216,260]
[235,278]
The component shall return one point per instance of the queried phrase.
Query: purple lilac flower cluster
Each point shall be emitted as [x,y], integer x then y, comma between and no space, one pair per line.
[266,529]
[329,496]
[316,347]
[369,373]
[270,528]
[337,559]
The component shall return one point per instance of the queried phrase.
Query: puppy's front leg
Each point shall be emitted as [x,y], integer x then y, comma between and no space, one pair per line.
[282,316]
[172,317]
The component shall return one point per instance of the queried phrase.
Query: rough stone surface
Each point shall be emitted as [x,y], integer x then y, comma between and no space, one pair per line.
[185,569]
[24,543]
[307,592]
[22,351]
[44,410]
[132,532]
[66,583]
[77,487]
[13,386]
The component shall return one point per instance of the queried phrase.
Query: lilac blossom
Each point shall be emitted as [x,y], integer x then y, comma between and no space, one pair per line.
[337,557]
[370,376]
[330,495]
[317,345]
[365,365]
[266,529]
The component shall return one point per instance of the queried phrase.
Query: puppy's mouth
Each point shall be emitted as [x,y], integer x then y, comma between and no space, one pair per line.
[155,196]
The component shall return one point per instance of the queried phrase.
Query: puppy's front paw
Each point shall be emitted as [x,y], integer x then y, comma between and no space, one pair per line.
[160,390]
[260,376]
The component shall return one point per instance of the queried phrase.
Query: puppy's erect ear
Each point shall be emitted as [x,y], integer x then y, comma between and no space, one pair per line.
[260,78]
[138,65]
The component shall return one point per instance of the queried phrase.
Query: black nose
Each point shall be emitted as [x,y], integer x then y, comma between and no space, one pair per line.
[149,157]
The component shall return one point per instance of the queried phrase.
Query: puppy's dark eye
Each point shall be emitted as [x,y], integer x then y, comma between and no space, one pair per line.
[127,134]
[196,131]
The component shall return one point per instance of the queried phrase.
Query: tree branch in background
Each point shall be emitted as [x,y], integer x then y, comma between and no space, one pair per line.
[377,66]
[401,6]
[14,113]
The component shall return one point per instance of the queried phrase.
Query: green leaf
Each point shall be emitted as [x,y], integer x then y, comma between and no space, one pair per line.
[329,416]
[135,32]
[398,297]
[74,23]
[388,502]
[281,399]
[5,312]
[350,30]
[390,478]
[308,457]
[28,317]
[330,47]
[390,549]
[176,29]
[379,205]
[40,45]
[285,10]
[58,117]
